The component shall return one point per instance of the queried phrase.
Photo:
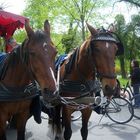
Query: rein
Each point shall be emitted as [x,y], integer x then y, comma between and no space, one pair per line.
[86,88]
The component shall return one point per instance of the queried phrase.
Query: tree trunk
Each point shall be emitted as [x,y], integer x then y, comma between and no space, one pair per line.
[83,29]
[122,65]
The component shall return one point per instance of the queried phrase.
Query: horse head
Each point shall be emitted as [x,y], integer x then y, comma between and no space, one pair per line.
[103,48]
[41,57]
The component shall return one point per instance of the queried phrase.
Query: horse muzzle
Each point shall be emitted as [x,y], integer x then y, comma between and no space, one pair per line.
[109,91]
[50,98]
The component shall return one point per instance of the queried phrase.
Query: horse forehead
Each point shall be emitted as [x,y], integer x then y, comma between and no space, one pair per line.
[40,36]
[107,45]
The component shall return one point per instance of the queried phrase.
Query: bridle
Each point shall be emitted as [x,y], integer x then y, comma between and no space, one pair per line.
[48,94]
[101,36]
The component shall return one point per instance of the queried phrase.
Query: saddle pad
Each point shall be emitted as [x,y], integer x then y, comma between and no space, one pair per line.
[60,60]
[2,57]
[3,67]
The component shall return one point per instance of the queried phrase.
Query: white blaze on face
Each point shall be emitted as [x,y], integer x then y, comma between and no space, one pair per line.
[45,46]
[107,45]
[52,73]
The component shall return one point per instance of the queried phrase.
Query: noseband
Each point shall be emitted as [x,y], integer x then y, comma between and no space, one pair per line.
[108,76]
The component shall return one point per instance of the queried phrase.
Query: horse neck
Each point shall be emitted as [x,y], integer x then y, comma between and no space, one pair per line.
[86,68]
[84,65]
[17,75]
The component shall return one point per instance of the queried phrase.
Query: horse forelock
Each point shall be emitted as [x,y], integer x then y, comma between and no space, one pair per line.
[40,36]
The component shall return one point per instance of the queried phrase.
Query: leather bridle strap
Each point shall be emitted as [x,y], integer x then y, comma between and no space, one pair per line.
[98,74]
[102,75]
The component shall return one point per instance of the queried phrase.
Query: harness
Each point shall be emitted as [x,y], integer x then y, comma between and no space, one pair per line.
[17,93]
[84,87]
[80,88]
[77,87]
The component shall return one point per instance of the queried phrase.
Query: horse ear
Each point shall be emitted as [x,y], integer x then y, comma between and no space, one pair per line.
[111,28]
[28,29]
[47,27]
[91,29]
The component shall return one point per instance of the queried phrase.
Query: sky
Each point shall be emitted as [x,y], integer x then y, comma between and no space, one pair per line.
[14,6]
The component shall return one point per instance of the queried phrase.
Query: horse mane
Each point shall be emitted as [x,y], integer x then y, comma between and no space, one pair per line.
[13,58]
[20,54]
[15,55]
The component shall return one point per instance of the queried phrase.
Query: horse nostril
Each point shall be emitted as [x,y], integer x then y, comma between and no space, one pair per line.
[107,88]
[109,91]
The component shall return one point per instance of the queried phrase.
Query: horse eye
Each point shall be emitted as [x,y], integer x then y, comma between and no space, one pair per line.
[96,49]
[32,53]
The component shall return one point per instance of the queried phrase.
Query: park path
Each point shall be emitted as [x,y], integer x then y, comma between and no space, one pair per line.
[104,130]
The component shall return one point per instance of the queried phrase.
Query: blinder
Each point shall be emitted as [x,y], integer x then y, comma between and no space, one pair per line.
[104,35]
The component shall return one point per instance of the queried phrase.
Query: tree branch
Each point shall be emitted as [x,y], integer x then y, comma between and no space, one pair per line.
[136,3]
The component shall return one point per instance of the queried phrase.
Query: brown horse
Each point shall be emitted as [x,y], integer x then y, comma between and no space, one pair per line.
[32,61]
[77,78]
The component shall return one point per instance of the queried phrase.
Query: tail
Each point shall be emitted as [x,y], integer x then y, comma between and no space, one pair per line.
[55,121]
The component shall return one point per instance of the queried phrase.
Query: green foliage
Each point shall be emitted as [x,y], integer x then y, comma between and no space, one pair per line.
[123,81]
[56,38]
[133,37]
[1,44]
[62,12]
[129,35]
[70,40]
[20,35]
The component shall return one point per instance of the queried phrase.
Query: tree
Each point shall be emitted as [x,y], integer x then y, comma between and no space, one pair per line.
[70,39]
[120,31]
[132,2]
[133,29]
[130,37]
[64,12]
[80,11]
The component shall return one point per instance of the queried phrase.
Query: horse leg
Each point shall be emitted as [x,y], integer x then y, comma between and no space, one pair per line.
[66,118]
[55,114]
[86,113]
[2,129]
[21,124]
[12,122]
[2,134]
